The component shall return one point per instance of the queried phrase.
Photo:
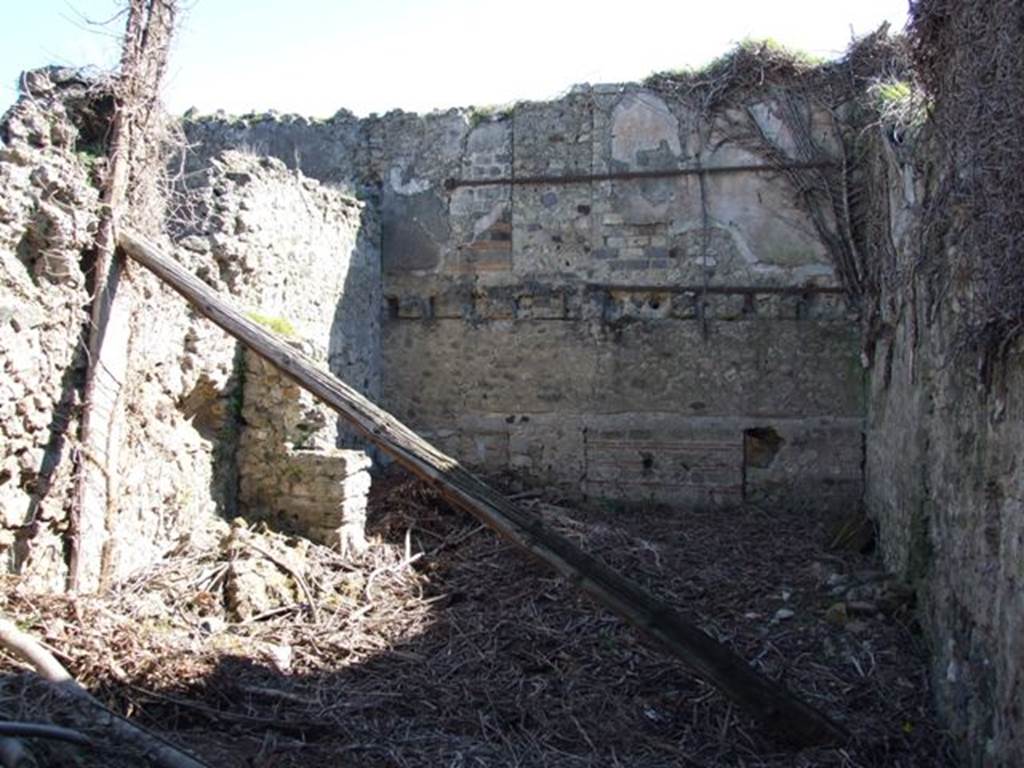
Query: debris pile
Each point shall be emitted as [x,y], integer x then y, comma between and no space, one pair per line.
[440,645]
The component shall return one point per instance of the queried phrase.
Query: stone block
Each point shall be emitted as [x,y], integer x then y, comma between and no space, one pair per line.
[485,449]
[725,306]
[495,304]
[547,448]
[542,305]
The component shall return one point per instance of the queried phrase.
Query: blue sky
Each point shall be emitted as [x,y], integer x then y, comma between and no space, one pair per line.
[315,56]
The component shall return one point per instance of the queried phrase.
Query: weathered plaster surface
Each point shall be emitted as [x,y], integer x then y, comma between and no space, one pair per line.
[525,324]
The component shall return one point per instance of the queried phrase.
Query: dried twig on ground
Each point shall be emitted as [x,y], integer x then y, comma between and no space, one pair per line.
[46,665]
[42,731]
[13,754]
[466,656]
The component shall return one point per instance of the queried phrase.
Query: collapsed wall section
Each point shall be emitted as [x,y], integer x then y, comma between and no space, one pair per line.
[303,260]
[282,245]
[287,251]
[300,257]
[292,475]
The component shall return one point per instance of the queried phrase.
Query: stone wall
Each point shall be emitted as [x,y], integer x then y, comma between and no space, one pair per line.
[283,246]
[677,338]
[945,484]
[289,253]
[303,260]
[291,473]
[293,251]
[48,209]
[48,212]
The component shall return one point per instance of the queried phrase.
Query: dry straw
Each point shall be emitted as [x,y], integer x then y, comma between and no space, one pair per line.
[441,646]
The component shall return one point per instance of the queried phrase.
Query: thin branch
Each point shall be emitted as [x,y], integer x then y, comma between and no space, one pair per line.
[13,754]
[284,566]
[43,731]
[160,751]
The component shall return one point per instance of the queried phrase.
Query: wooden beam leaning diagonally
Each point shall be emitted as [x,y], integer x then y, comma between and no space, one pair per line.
[767,701]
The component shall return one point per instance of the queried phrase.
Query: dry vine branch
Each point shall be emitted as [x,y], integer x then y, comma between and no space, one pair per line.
[296,575]
[129,189]
[42,731]
[14,755]
[840,199]
[27,648]
[970,59]
[398,676]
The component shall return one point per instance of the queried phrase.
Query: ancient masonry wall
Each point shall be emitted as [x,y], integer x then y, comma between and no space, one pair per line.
[673,339]
[291,472]
[252,229]
[47,219]
[945,483]
[303,260]
[48,210]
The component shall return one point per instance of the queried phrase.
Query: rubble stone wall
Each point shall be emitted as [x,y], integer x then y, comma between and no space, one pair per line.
[49,166]
[669,338]
[303,260]
[283,246]
[48,215]
[291,472]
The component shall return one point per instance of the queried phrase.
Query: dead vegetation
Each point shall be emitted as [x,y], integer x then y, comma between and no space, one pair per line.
[441,646]
[816,122]
[970,59]
[755,67]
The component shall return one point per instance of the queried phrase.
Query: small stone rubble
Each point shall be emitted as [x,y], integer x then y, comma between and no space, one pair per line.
[866,594]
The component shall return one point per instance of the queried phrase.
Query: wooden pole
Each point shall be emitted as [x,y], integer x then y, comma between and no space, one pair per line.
[766,700]
[92,516]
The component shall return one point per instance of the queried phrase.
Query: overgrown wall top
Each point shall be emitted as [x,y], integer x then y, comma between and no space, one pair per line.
[945,484]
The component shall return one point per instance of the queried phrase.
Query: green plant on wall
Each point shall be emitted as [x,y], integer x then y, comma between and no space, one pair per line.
[765,55]
[477,115]
[279,325]
[899,102]
[771,46]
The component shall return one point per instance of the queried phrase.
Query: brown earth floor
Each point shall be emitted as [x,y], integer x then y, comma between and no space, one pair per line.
[443,646]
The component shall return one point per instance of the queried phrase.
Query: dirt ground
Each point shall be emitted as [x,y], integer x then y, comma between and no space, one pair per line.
[443,646]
